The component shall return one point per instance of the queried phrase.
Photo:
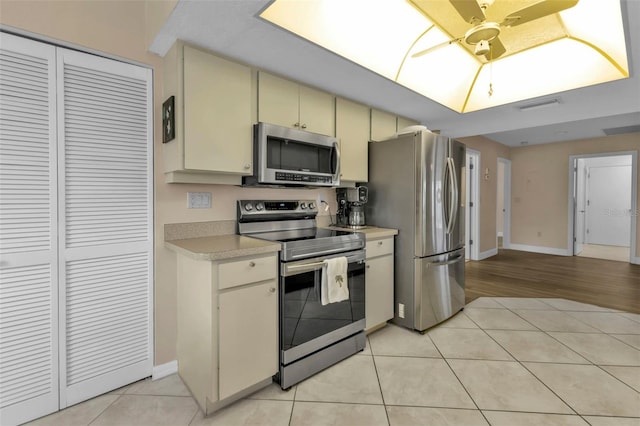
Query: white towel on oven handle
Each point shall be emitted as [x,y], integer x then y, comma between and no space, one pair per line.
[334,283]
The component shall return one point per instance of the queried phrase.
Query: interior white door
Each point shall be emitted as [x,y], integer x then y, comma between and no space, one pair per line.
[609,206]
[106,239]
[28,231]
[472,197]
[580,206]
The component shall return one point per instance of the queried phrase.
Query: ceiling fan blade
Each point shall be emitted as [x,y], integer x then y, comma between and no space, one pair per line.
[497,49]
[436,47]
[537,10]
[470,11]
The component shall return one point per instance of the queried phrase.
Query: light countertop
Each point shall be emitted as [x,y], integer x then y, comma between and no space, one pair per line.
[371,232]
[221,247]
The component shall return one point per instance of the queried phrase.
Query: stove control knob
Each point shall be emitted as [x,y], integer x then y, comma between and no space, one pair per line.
[312,206]
[260,207]
[303,206]
[248,207]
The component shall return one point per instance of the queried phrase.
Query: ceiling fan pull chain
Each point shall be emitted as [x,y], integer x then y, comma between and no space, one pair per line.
[490,71]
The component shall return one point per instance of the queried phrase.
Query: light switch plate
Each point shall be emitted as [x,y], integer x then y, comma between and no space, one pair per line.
[199,200]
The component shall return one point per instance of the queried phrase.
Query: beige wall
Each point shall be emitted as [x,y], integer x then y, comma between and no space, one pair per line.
[540,188]
[489,153]
[123,29]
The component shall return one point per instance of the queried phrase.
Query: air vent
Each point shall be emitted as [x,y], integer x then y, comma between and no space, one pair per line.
[622,130]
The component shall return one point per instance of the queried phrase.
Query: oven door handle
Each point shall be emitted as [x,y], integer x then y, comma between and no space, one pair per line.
[299,268]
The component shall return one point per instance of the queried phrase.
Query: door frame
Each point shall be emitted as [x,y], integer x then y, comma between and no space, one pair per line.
[571,210]
[506,182]
[472,215]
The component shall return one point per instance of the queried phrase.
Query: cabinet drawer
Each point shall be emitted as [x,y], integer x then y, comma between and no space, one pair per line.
[379,247]
[246,271]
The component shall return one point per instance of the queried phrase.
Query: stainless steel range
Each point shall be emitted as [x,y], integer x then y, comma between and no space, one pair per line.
[312,336]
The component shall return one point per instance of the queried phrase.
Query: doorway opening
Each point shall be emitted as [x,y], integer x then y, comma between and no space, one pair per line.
[503,204]
[472,212]
[603,203]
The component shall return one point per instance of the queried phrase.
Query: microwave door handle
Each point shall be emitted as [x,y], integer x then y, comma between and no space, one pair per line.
[336,165]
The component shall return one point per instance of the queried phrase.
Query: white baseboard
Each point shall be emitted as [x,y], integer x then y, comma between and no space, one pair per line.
[164,370]
[500,234]
[635,260]
[540,249]
[488,253]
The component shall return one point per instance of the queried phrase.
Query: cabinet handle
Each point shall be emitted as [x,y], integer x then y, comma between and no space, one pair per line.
[296,124]
[252,264]
[379,243]
[368,266]
[247,166]
[304,126]
[272,289]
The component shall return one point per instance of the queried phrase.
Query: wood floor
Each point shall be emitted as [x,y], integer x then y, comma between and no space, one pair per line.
[514,273]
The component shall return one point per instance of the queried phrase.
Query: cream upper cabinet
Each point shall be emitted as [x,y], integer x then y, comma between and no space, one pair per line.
[214,117]
[379,282]
[352,130]
[383,125]
[404,122]
[290,104]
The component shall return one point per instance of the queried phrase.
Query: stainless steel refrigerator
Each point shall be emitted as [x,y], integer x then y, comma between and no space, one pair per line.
[416,185]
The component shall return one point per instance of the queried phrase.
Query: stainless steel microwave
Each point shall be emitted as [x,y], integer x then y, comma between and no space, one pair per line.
[284,156]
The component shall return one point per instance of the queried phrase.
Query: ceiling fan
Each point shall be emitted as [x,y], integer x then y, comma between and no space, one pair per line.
[484,34]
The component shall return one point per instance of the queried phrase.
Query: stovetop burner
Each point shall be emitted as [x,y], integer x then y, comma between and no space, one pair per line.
[293,223]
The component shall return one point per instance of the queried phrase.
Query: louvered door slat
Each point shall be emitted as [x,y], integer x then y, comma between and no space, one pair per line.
[28,233]
[107,207]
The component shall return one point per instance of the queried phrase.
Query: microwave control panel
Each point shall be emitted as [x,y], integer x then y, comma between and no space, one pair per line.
[302,178]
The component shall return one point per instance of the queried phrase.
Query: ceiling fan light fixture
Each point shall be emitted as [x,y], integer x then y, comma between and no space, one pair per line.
[482,48]
[484,32]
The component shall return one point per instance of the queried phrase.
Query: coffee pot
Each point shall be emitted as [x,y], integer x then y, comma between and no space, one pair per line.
[351,203]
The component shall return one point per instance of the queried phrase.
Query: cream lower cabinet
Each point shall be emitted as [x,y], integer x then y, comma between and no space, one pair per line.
[379,283]
[227,327]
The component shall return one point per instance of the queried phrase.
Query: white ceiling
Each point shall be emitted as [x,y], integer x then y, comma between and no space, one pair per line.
[232,28]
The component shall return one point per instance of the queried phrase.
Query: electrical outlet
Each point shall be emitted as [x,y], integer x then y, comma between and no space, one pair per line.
[401,310]
[199,200]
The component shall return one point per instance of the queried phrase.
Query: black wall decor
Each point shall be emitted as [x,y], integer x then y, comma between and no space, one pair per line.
[168,120]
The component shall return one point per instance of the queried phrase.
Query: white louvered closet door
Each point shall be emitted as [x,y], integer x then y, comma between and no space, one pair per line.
[106,234]
[28,234]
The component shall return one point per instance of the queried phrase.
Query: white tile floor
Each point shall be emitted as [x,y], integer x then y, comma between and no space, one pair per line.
[501,362]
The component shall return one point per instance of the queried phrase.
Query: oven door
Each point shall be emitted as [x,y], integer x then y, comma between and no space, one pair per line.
[305,325]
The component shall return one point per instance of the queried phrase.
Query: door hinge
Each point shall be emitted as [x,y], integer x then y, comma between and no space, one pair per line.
[575,239]
[587,230]
[471,166]
[470,242]
[471,204]
[588,202]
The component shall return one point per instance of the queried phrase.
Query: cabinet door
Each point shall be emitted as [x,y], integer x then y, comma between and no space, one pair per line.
[379,290]
[352,129]
[405,122]
[217,114]
[248,336]
[277,101]
[317,111]
[383,125]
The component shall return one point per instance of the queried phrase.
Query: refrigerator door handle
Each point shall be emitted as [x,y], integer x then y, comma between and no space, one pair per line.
[453,199]
[448,262]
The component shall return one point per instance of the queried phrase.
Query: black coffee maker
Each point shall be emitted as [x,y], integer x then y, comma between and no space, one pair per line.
[351,203]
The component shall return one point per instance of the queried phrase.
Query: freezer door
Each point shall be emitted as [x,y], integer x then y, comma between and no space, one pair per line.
[439,288]
[432,182]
